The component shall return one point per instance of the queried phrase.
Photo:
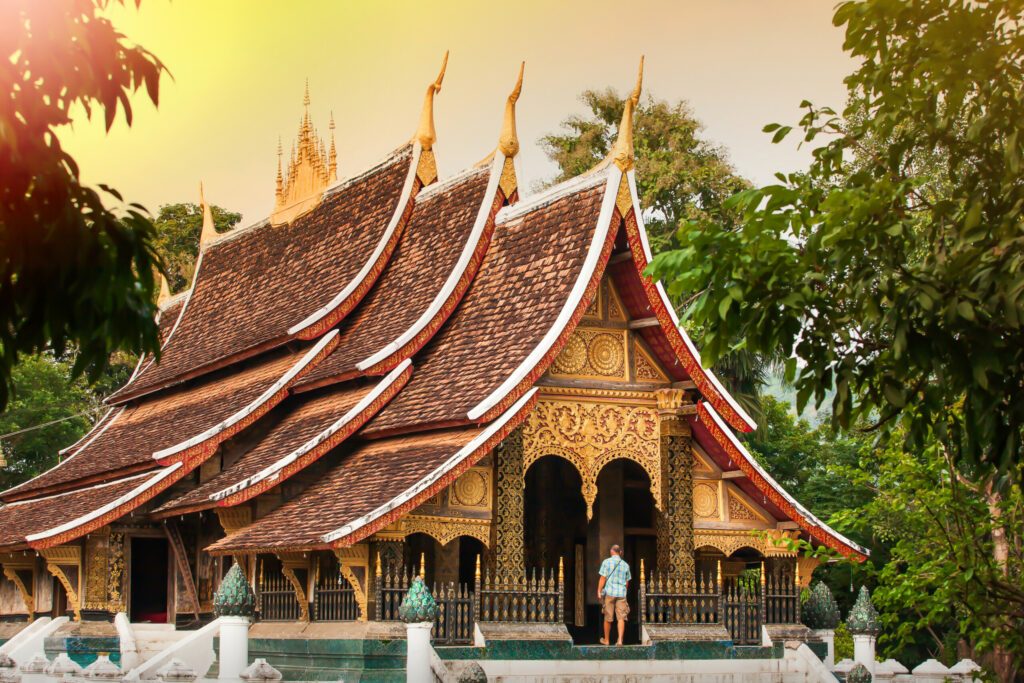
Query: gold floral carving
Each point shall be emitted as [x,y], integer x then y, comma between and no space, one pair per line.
[777,542]
[594,309]
[507,182]
[289,563]
[355,567]
[115,565]
[96,569]
[805,569]
[728,541]
[705,501]
[67,556]
[444,530]
[472,489]
[675,531]
[644,367]
[591,353]
[508,554]
[590,435]
[738,510]
[11,572]
[616,311]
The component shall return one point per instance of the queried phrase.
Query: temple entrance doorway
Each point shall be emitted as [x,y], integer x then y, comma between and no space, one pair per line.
[60,600]
[149,580]
[556,526]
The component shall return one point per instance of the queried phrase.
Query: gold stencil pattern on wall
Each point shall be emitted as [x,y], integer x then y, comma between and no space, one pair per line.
[705,501]
[644,367]
[593,354]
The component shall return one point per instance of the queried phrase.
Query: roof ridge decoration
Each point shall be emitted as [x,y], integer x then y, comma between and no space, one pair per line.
[311,169]
[165,292]
[508,142]
[426,135]
[209,232]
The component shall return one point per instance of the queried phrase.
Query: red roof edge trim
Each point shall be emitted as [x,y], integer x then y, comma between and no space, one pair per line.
[442,477]
[349,297]
[706,382]
[202,445]
[106,514]
[579,299]
[454,288]
[771,489]
[309,452]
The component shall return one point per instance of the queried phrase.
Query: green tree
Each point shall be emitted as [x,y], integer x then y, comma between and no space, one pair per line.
[891,269]
[680,175]
[56,411]
[178,227]
[73,272]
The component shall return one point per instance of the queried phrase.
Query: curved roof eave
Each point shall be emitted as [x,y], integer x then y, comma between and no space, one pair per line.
[706,381]
[583,290]
[807,521]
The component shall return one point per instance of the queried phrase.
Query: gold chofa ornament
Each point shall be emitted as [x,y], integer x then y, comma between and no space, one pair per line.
[311,169]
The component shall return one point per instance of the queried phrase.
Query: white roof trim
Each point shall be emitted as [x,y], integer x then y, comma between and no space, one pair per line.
[550,195]
[726,396]
[568,308]
[272,471]
[396,218]
[453,278]
[720,423]
[431,478]
[94,487]
[249,409]
[86,438]
[112,505]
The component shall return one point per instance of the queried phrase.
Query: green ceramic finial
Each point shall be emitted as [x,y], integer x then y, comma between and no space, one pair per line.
[234,598]
[820,611]
[418,605]
[863,618]
[859,674]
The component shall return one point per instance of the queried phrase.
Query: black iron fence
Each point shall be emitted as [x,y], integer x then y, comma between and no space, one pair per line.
[334,598]
[782,599]
[741,609]
[536,598]
[455,620]
[275,594]
[668,599]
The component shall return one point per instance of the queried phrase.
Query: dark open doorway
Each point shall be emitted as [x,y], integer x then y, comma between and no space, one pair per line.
[60,600]
[149,580]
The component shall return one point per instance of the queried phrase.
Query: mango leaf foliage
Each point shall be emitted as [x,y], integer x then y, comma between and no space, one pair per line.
[891,270]
[73,273]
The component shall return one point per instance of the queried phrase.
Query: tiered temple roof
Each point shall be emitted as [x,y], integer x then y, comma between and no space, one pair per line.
[391,327]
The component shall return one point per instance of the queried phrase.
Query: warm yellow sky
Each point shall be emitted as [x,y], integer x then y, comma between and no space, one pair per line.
[239,68]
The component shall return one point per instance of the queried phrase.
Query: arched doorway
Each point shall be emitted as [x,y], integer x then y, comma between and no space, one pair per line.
[556,526]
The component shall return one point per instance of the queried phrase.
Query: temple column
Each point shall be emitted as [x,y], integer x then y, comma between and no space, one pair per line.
[675,522]
[508,555]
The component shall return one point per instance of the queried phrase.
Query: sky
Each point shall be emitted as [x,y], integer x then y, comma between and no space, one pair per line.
[239,68]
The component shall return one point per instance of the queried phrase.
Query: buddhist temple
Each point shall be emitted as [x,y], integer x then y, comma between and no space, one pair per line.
[399,373]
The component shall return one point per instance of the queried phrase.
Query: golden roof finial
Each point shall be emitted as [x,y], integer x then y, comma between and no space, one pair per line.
[305,98]
[622,152]
[280,178]
[165,291]
[310,170]
[425,133]
[209,232]
[508,141]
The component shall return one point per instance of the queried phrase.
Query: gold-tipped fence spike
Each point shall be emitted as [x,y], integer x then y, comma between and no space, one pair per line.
[423,565]
[425,133]
[642,582]
[378,570]
[561,561]
[476,574]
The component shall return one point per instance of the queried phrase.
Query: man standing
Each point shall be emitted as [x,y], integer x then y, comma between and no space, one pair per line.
[611,593]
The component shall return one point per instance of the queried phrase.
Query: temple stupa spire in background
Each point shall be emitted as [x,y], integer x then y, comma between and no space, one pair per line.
[311,169]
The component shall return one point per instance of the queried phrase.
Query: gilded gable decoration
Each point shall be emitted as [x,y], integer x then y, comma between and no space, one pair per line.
[426,135]
[310,170]
[644,367]
[591,435]
[593,353]
[705,501]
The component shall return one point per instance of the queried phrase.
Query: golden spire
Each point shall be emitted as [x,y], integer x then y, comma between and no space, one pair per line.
[508,141]
[310,169]
[209,232]
[165,291]
[425,133]
[622,152]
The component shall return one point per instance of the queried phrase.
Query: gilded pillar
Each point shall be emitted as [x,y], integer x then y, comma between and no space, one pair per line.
[508,513]
[675,523]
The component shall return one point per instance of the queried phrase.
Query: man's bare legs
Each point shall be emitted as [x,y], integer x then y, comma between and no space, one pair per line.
[622,630]
[607,632]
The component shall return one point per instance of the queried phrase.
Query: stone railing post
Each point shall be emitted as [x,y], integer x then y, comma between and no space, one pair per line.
[418,611]
[863,624]
[234,604]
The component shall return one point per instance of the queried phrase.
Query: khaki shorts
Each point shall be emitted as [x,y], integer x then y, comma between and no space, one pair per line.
[615,608]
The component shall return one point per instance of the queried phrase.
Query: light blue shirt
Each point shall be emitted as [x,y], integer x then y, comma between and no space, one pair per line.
[615,570]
